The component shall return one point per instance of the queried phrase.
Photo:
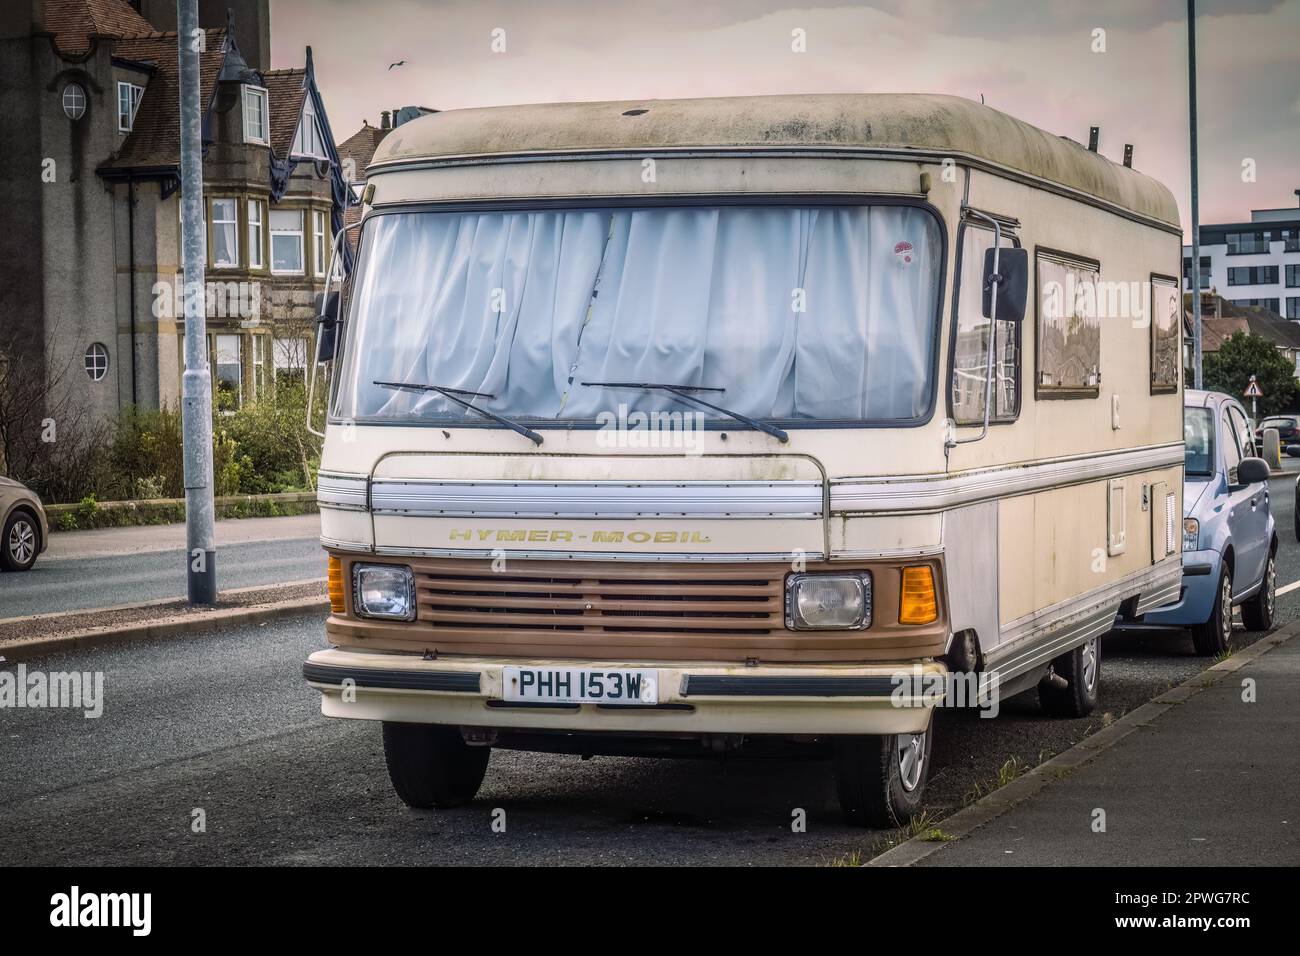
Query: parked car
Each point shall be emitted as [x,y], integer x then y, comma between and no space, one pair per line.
[1229,538]
[1288,429]
[23,528]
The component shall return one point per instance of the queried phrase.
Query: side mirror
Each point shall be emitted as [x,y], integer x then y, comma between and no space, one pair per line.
[1252,471]
[326,325]
[1013,289]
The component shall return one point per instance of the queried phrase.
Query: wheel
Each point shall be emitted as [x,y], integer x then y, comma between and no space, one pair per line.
[20,542]
[1211,638]
[1081,671]
[1257,613]
[431,766]
[881,779]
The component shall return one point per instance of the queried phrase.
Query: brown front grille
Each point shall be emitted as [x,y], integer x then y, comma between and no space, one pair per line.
[458,598]
[632,611]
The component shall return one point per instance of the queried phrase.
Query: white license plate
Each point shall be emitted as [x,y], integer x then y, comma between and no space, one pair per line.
[580,685]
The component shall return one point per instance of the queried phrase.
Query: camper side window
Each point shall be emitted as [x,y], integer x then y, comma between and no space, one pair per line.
[1069,329]
[971,340]
[1166,322]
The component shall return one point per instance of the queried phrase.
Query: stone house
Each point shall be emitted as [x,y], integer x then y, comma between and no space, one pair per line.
[92,283]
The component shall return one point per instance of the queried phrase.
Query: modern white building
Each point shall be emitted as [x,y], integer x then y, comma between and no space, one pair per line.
[1252,263]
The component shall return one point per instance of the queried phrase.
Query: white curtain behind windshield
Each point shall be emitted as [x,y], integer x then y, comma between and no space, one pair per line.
[798,313]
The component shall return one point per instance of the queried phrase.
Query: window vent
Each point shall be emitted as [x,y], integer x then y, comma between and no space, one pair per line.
[1171,523]
[1116,517]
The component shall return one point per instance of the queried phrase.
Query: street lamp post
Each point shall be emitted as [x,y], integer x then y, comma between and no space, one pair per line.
[196,383]
[1196,211]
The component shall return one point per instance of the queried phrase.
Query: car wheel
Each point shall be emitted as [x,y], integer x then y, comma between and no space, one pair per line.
[1257,613]
[881,779]
[1212,638]
[1081,670]
[20,542]
[431,766]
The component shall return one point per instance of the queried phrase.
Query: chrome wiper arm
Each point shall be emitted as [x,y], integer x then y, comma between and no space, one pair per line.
[451,393]
[683,392]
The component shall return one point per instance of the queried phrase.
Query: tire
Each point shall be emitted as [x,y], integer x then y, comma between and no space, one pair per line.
[1081,671]
[20,541]
[431,766]
[1212,638]
[880,782]
[1257,613]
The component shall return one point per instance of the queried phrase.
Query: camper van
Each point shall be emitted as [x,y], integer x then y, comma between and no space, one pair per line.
[740,425]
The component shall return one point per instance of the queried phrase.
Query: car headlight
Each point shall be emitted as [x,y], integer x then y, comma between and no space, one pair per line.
[828,601]
[1191,534]
[384,591]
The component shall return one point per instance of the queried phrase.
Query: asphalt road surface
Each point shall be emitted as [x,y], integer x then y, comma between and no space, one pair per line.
[88,569]
[222,723]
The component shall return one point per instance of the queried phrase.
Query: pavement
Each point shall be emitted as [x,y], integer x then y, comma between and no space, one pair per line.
[1214,781]
[111,566]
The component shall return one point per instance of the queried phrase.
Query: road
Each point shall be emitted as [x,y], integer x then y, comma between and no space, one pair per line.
[223,722]
[88,569]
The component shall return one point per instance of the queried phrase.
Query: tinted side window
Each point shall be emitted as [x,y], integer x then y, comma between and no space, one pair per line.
[1245,439]
[1231,449]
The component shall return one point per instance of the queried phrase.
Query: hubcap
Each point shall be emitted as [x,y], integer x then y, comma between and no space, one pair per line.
[1088,653]
[1225,608]
[1270,586]
[910,749]
[22,541]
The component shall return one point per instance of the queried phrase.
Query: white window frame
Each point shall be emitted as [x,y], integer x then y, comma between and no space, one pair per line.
[75,110]
[233,222]
[238,363]
[318,262]
[260,105]
[298,233]
[134,94]
[314,149]
[256,234]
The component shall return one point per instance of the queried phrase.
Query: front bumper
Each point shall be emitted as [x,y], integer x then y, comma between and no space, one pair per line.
[1200,586]
[693,698]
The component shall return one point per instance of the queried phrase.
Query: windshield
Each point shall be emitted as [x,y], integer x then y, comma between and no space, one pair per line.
[789,313]
[1198,434]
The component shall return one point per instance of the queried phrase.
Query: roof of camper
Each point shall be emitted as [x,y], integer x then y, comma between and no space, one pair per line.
[927,123]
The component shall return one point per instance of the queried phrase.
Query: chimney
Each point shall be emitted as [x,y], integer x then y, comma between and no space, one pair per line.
[384,121]
[1094,134]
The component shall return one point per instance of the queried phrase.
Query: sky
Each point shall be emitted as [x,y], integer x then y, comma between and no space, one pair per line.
[1063,65]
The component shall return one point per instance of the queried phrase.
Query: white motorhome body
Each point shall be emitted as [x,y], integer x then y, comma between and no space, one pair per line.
[595,276]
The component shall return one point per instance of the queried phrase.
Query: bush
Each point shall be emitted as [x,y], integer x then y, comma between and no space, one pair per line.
[261,448]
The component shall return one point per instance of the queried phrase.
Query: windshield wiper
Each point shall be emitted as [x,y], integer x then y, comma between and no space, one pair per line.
[683,392]
[451,393]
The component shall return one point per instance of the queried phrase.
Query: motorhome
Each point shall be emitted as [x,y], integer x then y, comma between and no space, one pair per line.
[709,426]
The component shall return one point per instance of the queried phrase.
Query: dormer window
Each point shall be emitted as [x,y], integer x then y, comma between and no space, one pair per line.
[309,141]
[257,120]
[128,102]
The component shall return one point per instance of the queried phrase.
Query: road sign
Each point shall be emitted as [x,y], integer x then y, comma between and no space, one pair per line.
[1252,389]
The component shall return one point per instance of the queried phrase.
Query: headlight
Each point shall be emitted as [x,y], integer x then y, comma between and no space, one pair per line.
[1191,534]
[384,591]
[828,601]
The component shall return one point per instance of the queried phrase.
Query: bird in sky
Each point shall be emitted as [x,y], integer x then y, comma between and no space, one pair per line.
[398,63]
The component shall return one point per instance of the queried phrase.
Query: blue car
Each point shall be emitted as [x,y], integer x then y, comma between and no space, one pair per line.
[1229,540]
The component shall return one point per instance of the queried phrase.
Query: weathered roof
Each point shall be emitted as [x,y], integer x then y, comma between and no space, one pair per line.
[1221,319]
[360,146]
[75,23]
[926,123]
[154,140]
[287,91]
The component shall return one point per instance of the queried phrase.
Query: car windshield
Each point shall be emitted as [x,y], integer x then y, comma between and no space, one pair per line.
[787,313]
[1198,436]
[1277,423]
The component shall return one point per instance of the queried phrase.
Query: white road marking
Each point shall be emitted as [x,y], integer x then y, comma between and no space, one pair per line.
[1294,585]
